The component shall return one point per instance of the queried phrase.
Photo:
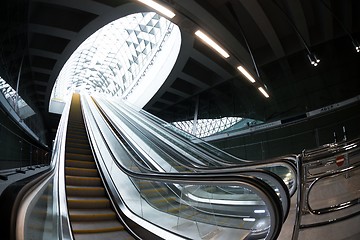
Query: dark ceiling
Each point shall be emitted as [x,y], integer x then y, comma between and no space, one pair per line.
[45,32]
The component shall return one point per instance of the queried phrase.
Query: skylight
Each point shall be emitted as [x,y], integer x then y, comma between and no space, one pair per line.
[207,127]
[130,58]
[17,103]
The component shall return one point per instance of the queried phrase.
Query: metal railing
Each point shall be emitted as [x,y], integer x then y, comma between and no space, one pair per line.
[328,186]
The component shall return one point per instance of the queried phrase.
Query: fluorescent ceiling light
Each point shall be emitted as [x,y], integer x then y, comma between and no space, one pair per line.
[249,219]
[167,12]
[246,74]
[263,92]
[259,211]
[211,43]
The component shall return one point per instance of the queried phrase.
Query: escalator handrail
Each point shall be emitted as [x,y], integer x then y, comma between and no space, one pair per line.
[59,182]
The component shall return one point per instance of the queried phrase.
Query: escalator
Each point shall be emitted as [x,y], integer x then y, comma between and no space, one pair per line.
[90,189]
[168,157]
[181,153]
[90,209]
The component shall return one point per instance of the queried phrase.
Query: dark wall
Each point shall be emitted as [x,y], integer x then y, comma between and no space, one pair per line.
[17,148]
[293,138]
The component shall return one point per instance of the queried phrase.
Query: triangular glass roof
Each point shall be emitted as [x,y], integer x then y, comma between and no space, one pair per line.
[123,58]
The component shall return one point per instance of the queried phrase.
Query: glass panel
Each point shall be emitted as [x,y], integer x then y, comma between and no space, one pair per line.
[203,211]
[41,221]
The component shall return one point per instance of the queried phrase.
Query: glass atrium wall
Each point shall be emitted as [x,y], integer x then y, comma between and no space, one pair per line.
[115,59]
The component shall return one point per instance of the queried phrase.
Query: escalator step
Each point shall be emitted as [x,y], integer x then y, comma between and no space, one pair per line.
[88,202]
[96,227]
[78,156]
[83,181]
[74,139]
[80,164]
[76,132]
[76,150]
[151,192]
[101,236]
[85,172]
[76,144]
[163,200]
[85,191]
[92,214]
[176,209]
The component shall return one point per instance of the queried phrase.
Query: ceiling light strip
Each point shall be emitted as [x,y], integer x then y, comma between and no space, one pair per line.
[211,43]
[165,11]
[246,73]
[263,92]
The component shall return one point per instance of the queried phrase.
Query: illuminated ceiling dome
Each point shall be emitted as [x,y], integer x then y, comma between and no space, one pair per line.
[130,57]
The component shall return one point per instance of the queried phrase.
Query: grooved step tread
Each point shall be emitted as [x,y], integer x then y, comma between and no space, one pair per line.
[74,147]
[80,164]
[123,235]
[83,181]
[75,139]
[96,227]
[88,202]
[92,214]
[74,171]
[85,191]
[163,200]
[79,156]
[76,143]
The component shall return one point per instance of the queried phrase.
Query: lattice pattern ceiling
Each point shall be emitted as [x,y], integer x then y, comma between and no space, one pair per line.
[207,127]
[112,59]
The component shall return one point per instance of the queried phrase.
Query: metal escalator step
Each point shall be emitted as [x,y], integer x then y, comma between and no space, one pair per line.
[152,192]
[123,235]
[83,181]
[88,202]
[76,132]
[96,226]
[163,200]
[76,128]
[85,191]
[77,144]
[76,139]
[76,150]
[85,172]
[92,214]
[80,164]
[175,209]
[78,156]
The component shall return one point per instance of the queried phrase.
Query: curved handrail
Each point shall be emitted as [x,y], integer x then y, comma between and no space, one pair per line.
[335,207]
[322,165]
[251,182]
